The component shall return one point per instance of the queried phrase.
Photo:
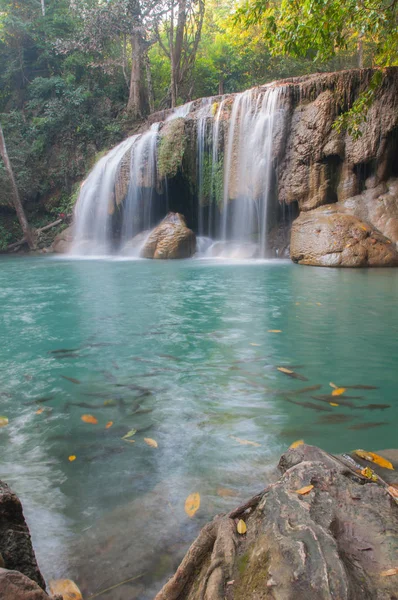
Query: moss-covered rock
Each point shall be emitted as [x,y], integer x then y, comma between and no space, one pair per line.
[171,148]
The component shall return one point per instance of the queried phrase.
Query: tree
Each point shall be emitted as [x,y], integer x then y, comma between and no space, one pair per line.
[26,230]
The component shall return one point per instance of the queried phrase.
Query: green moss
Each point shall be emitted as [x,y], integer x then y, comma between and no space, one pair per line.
[243,561]
[171,148]
[213,180]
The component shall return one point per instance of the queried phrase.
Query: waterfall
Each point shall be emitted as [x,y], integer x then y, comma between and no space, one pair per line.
[123,197]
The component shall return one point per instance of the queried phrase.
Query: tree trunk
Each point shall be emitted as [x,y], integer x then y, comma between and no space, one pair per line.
[360,52]
[221,86]
[149,83]
[134,102]
[43,8]
[28,234]
[177,50]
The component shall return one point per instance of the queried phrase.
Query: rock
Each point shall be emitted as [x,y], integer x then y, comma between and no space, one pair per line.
[329,238]
[170,239]
[16,586]
[328,543]
[63,241]
[15,542]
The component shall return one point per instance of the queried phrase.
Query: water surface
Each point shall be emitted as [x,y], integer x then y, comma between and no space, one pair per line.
[183,353]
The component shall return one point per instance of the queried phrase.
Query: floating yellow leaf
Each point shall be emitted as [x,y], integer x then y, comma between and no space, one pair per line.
[226,492]
[109,424]
[374,458]
[334,404]
[304,490]
[244,442]
[133,432]
[66,588]
[241,527]
[389,572]
[89,419]
[296,444]
[192,504]
[71,458]
[338,391]
[274,330]
[151,442]
[253,344]
[284,370]
[40,410]
[3,421]
[333,385]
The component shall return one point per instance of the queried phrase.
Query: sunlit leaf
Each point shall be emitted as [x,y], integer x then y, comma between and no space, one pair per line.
[374,458]
[3,421]
[284,370]
[338,391]
[334,404]
[71,458]
[109,424]
[304,490]
[131,433]
[151,442]
[296,444]
[244,442]
[89,419]
[241,527]
[66,588]
[40,410]
[192,504]
[389,572]
[274,330]
[369,474]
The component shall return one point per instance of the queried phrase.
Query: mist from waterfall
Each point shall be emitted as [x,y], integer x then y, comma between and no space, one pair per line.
[234,181]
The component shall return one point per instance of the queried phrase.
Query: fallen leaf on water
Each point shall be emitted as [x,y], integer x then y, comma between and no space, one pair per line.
[284,370]
[318,303]
[274,330]
[241,527]
[304,490]
[66,588]
[296,444]
[131,433]
[333,385]
[192,504]
[3,421]
[71,458]
[129,441]
[226,492]
[253,344]
[374,458]
[109,424]
[334,404]
[338,391]
[297,303]
[244,442]
[151,442]
[89,419]
[40,410]
[393,491]
[389,572]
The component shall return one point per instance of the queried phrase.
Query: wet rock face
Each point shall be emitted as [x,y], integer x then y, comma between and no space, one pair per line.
[334,542]
[16,586]
[171,239]
[15,542]
[329,238]
[63,241]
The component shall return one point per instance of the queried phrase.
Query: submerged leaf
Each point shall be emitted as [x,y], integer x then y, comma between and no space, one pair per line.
[274,330]
[296,444]
[3,421]
[304,490]
[89,419]
[284,370]
[338,391]
[374,458]
[253,344]
[109,424]
[334,404]
[244,442]
[241,527]
[227,492]
[192,504]
[151,442]
[71,458]
[66,588]
[40,410]
[130,434]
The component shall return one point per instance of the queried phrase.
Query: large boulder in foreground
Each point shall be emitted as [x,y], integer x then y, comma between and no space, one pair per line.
[324,531]
[326,237]
[170,239]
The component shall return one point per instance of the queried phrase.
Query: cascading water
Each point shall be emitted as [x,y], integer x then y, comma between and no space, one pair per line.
[233,181]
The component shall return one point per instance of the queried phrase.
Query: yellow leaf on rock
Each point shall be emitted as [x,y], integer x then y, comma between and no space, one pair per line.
[244,442]
[71,458]
[241,527]
[274,330]
[284,370]
[151,442]
[109,424]
[89,419]
[296,444]
[192,504]
[374,458]
[369,474]
[66,588]
[389,572]
[338,391]
[3,421]
[304,490]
